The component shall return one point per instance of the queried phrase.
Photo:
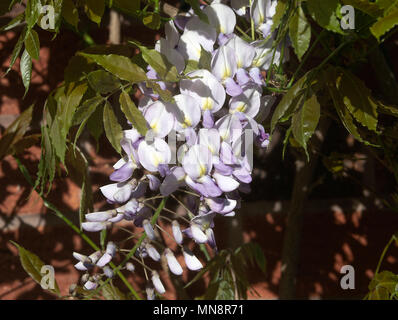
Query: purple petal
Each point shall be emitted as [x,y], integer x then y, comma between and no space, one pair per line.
[242,76]
[154,182]
[122,174]
[232,88]
[208,119]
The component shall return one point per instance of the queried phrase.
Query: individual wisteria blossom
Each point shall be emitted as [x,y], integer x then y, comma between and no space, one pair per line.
[198,144]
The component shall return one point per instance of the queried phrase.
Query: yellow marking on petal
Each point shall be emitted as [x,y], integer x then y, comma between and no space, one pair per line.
[222,29]
[239,64]
[157,158]
[187,123]
[155,125]
[226,73]
[241,107]
[202,170]
[208,104]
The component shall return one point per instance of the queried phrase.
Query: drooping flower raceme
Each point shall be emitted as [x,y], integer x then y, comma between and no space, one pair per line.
[199,141]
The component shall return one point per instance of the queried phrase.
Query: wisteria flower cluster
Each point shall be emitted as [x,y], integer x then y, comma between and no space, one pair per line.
[200,142]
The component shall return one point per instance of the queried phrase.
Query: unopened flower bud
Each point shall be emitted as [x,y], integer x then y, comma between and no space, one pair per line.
[198,235]
[157,283]
[149,229]
[191,260]
[130,267]
[177,232]
[108,272]
[172,262]
[152,252]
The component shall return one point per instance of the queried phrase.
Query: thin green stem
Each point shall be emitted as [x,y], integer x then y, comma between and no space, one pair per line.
[306,58]
[392,239]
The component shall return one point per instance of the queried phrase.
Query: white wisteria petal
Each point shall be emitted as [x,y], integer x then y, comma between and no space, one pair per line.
[158,285]
[248,102]
[159,119]
[153,154]
[100,216]
[172,262]
[205,88]
[177,234]
[152,252]
[191,260]
[197,161]
[190,114]
[223,63]
[244,52]
[230,128]
[198,235]
[94,226]
[226,183]
[149,229]
[221,17]
[211,139]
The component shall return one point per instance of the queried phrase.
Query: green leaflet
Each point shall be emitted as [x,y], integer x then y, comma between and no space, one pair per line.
[129,7]
[113,130]
[287,105]
[26,70]
[95,10]
[86,110]
[120,66]
[32,44]
[103,82]
[305,121]
[13,23]
[15,132]
[17,49]
[83,113]
[358,99]
[70,13]
[385,24]
[342,111]
[67,105]
[32,264]
[77,166]
[95,123]
[77,69]
[382,286]
[300,32]
[152,20]
[32,12]
[280,11]
[159,63]
[132,113]
[366,6]
[324,13]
